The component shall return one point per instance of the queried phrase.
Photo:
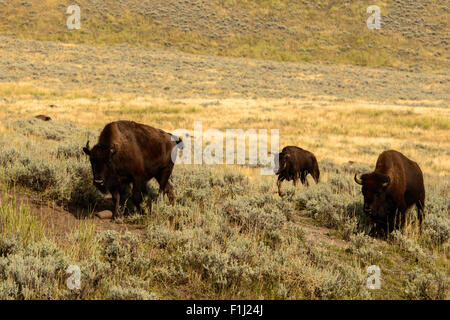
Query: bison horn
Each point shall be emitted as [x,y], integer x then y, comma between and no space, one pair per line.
[86,149]
[358,180]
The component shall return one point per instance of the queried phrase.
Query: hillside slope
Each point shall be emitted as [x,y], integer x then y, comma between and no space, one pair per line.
[414,34]
[175,75]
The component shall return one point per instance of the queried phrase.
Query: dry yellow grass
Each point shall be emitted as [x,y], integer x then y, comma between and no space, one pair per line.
[357,131]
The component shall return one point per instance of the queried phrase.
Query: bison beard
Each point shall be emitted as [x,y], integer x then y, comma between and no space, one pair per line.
[129,152]
[391,189]
[295,163]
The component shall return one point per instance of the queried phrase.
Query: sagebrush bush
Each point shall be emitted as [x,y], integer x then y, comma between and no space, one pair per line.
[130,293]
[36,271]
[9,244]
[224,235]
[361,246]
[163,237]
[424,285]
[408,245]
[38,175]
[323,278]
[55,166]
[172,273]
[341,282]
[123,252]
[437,223]
[50,130]
[350,168]
[71,150]
[437,229]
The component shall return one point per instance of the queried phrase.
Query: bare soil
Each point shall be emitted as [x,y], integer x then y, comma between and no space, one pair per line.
[58,221]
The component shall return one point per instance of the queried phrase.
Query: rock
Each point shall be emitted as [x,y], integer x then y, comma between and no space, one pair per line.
[106,214]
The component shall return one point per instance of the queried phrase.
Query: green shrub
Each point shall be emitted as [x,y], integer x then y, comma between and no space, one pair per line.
[342,282]
[408,245]
[50,130]
[361,246]
[9,244]
[437,229]
[423,285]
[123,252]
[37,271]
[129,293]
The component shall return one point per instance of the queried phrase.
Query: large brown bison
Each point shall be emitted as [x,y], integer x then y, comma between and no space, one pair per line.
[295,163]
[394,186]
[129,152]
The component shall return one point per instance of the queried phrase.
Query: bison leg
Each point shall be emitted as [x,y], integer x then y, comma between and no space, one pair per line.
[123,189]
[165,187]
[398,221]
[170,193]
[280,180]
[402,218]
[420,213]
[139,189]
[116,199]
[303,178]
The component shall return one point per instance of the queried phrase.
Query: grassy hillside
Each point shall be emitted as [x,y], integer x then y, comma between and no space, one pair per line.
[414,34]
[229,235]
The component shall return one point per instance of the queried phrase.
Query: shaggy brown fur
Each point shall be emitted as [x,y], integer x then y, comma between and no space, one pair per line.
[129,152]
[394,186]
[295,163]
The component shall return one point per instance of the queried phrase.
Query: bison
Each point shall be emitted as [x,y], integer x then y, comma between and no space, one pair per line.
[129,152]
[295,163]
[393,187]
[43,117]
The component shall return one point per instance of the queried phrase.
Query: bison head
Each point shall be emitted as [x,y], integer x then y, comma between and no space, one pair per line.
[374,187]
[100,158]
[281,160]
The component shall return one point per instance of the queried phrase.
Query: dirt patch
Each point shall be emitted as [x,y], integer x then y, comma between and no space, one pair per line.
[318,234]
[60,222]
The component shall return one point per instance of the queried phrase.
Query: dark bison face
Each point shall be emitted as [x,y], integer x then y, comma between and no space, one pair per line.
[100,158]
[374,187]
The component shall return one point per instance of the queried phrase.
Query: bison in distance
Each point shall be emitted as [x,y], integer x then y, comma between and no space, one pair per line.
[295,163]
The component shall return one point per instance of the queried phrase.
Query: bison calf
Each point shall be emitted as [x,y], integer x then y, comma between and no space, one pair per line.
[394,186]
[295,163]
[129,152]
